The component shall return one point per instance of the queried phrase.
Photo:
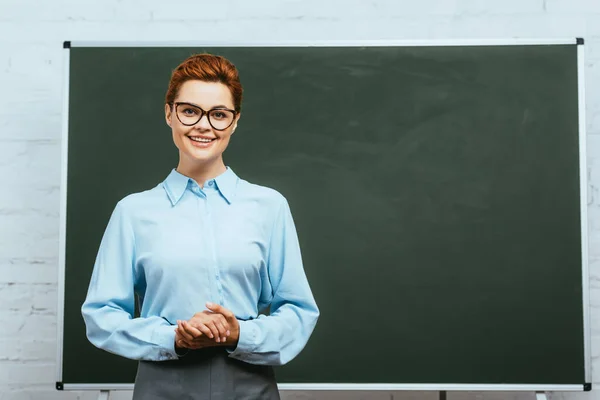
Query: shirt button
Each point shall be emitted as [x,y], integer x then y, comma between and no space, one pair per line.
[211,183]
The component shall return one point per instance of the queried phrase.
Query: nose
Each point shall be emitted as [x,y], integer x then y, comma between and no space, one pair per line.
[203,122]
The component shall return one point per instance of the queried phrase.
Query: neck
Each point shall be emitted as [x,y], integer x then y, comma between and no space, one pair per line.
[201,172]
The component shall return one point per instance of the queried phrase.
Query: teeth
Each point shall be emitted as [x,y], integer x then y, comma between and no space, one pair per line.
[202,140]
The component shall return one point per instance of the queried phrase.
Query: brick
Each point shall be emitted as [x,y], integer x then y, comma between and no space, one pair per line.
[594,244]
[593,211]
[580,7]
[31,201]
[275,10]
[27,373]
[46,394]
[27,325]
[28,236]
[9,349]
[19,297]
[45,298]
[15,297]
[38,351]
[593,125]
[85,10]
[595,297]
[592,48]
[19,59]
[12,127]
[29,158]
[29,270]
[20,350]
[508,7]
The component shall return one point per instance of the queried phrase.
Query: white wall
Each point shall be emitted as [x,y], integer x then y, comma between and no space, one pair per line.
[31,36]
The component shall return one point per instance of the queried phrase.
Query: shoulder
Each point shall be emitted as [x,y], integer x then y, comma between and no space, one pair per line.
[135,202]
[266,196]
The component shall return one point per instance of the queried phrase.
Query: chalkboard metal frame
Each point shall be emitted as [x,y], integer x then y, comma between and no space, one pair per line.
[332,43]
[63,217]
[583,187]
[362,43]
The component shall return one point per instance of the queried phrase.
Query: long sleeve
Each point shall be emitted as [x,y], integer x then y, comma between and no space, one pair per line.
[277,338]
[108,310]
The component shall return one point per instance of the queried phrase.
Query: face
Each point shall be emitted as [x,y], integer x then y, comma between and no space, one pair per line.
[200,144]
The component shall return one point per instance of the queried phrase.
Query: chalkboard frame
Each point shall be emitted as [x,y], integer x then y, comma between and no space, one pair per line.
[366,43]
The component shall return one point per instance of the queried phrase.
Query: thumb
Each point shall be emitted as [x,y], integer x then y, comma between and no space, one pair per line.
[217,308]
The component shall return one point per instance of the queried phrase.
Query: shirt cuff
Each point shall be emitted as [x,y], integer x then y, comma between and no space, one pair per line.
[246,342]
[181,352]
[164,337]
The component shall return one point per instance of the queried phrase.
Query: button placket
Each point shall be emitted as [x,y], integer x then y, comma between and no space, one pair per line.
[204,243]
[213,246]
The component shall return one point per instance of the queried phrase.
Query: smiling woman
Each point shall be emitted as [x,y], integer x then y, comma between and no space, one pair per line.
[201,141]
[205,252]
[204,85]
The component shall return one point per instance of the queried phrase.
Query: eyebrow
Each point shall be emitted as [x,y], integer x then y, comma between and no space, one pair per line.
[196,105]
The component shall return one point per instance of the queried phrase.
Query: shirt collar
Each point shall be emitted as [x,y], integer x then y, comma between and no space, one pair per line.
[176,183]
[227,184]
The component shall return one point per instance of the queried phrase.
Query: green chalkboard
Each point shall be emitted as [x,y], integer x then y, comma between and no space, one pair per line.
[435,189]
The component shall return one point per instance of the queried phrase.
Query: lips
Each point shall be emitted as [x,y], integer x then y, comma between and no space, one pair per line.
[201,139]
[201,143]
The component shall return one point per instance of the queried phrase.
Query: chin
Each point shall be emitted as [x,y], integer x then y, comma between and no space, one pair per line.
[201,158]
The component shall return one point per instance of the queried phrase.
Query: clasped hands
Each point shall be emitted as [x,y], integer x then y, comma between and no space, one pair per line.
[216,326]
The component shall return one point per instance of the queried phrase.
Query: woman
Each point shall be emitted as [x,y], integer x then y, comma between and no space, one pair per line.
[205,251]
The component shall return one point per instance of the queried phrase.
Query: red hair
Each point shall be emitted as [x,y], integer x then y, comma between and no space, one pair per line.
[208,68]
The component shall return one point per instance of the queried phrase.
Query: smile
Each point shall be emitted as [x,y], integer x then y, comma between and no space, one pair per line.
[201,140]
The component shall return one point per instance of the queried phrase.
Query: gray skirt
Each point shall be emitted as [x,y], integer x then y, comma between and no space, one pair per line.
[207,374]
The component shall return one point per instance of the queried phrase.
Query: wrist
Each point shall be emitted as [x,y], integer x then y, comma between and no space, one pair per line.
[234,337]
[179,350]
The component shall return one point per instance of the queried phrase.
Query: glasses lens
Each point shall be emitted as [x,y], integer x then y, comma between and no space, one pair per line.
[188,114]
[221,119]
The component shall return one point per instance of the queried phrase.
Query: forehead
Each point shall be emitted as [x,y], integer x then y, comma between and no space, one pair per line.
[205,94]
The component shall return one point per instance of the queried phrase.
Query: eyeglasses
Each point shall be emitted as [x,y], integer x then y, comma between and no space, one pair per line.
[190,114]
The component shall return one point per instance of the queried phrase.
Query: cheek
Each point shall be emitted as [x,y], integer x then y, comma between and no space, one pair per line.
[177,136]
[225,140]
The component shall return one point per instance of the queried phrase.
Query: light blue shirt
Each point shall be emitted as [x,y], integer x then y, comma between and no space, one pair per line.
[180,245]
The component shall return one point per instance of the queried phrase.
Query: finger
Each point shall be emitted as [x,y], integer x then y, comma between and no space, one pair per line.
[201,327]
[191,330]
[214,330]
[226,324]
[221,330]
[219,316]
[182,332]
[182,343]
[219,309]
[223,326]
[194,345]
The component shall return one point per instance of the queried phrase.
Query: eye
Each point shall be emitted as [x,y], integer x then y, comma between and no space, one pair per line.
[188,111]
[221,115]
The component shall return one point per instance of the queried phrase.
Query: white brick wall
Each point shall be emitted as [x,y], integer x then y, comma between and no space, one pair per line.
[31,36]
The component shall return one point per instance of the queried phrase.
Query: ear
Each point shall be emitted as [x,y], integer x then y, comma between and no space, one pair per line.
[235,123]
[168,114]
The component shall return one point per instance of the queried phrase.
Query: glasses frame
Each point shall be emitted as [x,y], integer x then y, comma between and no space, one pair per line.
[176,104]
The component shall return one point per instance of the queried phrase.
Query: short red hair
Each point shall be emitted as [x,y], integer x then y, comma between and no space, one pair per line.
[208,68]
